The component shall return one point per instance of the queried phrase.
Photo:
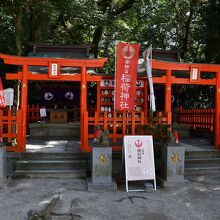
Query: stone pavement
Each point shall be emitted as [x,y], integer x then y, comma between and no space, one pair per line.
[68,199]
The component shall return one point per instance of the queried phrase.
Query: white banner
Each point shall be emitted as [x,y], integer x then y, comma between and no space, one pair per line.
[147,55]
[9,96]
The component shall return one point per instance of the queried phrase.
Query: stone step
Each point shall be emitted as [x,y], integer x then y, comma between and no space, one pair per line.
[202,162]
[50,173]
[202,170]
[57,130]
[51,165]
[202,154]
[50,156]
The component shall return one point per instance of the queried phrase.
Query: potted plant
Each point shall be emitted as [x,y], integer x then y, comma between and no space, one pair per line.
[169,154]
[160,131]
[101,138]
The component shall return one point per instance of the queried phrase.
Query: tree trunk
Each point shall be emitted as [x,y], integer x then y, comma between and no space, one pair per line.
[96,39]
[105,7]
[18,30]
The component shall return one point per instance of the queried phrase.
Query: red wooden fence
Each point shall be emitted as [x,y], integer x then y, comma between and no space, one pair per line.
[119,124]
[197,118]
[33,113]
[11,129]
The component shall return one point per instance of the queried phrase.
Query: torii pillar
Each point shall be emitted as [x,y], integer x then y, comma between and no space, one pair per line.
[83,106]
[24,92]
[217,111]
[168,97]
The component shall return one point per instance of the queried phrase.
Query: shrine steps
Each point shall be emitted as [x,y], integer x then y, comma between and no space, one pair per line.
[202,162]
[50,165]
[46,130]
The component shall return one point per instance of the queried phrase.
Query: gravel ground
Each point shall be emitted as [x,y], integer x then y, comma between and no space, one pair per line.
[198,199]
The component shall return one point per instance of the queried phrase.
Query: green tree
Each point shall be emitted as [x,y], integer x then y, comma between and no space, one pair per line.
[211,33]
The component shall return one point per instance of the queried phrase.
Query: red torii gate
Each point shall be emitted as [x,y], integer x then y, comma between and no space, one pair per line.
[168,80]
[54,65]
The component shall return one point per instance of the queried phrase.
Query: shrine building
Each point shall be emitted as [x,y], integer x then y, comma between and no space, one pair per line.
[77,95]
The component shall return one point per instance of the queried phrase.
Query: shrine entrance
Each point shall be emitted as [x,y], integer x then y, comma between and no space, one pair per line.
[60,102]
[54,73]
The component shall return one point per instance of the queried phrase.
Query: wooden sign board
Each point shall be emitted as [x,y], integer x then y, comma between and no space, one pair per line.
[139,159]
[54,70]
[194,74]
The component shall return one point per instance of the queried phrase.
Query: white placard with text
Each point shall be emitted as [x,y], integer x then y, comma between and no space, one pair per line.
[9,96]
[43,112]
[139,158]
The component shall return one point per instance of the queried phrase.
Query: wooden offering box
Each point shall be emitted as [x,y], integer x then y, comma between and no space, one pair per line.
[58,116]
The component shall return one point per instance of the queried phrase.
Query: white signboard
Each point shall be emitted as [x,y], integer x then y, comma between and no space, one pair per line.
[139,159]
[54,69]
[195,74]
[43,112]
[9,96]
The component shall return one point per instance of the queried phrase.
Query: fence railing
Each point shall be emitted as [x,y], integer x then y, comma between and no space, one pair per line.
[197,118]
[11,129]
[119,124]
[33,113]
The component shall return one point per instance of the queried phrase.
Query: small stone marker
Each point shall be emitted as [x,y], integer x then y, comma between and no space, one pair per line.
[102,169]
[172,170]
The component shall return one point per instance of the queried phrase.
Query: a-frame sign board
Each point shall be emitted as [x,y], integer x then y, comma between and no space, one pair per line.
[139,159]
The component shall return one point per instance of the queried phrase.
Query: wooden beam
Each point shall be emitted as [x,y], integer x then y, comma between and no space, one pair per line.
[63,77]
[14,76]
[94,78]
[42,61]
[40,77]
[186,81]
[162,65]
[159,79]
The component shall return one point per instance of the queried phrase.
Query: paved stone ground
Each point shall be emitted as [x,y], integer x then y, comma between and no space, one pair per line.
[198,199]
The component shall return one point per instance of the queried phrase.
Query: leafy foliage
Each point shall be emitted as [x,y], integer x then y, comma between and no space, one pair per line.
[191,26]
[160,131]
[166,24]
[211,36]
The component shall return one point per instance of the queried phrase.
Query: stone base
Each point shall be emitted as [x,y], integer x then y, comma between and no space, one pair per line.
[101,187]
[3,180]
[163,183]
[172,159]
